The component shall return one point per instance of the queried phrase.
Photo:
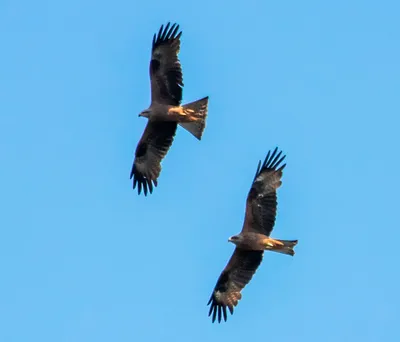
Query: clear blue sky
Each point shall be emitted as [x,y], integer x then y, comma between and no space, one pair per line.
[84,258]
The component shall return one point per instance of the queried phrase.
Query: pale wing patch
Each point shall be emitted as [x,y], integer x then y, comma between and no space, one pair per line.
[260,178]
[229,298]
[141,166]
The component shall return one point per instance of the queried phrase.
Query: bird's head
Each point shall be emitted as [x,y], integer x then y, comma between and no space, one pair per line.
[144,113]
[235,239]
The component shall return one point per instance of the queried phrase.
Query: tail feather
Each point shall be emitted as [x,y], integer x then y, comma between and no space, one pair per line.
[197,112]
[287,247]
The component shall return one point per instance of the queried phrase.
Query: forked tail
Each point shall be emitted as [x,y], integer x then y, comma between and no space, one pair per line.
[196,113]
[283,246]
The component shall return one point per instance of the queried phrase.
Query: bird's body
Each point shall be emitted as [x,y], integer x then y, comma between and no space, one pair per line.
[259,242]
[249,241]
[157,111]
[162,112]
[254,238]
[165,111]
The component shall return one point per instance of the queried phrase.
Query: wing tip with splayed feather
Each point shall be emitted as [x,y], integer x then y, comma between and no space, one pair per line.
[218,310]
[142,182]
[272,161]
[166,34]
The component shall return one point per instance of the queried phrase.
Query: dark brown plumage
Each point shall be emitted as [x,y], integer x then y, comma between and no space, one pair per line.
[165,67]
[236,275]
[254,238]
[156,140]
[165,111]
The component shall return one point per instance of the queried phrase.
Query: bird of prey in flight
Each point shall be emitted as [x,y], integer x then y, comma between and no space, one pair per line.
[165,111]
[254,238]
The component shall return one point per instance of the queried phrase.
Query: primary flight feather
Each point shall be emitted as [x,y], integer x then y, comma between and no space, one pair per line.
[165,111]
[254,238]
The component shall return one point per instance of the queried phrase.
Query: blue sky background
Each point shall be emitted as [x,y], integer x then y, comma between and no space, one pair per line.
[84,258]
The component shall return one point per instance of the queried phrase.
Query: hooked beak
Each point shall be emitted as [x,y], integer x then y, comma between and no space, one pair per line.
[230,239]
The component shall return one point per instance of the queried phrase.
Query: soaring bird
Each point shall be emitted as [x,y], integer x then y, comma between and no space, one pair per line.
[165,111]
[254,238]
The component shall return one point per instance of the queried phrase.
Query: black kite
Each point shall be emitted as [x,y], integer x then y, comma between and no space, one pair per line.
[165,111]
[254,238]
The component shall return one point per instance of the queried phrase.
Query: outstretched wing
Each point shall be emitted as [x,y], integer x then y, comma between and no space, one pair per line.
[236,275]
[261,201]
[152,148]
[165,68]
